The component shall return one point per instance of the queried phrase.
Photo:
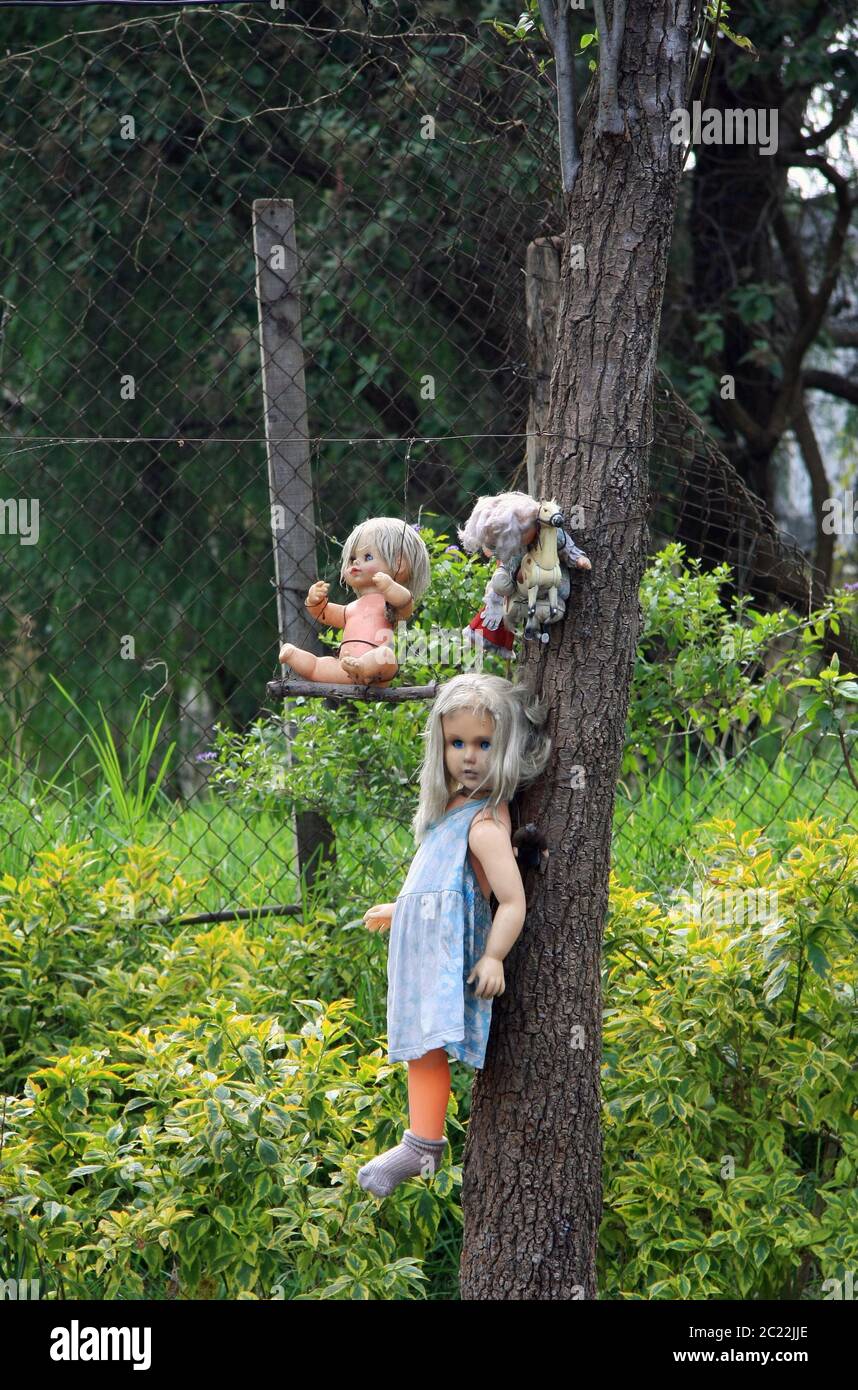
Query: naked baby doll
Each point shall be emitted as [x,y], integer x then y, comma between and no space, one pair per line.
[445,963]
[386,563]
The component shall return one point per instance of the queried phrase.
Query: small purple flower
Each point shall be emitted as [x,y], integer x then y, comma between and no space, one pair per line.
[453,550]
[851,588]
[205,757]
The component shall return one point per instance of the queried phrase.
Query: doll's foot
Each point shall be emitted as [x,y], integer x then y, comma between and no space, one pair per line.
[413,1158]
[373,668]
[285,653]
[352,667]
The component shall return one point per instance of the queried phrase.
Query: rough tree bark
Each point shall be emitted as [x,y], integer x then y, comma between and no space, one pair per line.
[532,1185]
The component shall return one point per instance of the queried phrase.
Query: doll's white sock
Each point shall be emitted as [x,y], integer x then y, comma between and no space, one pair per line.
[413,1158]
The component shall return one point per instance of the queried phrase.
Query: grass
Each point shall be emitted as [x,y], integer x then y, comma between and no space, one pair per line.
[659,822]
[247,858]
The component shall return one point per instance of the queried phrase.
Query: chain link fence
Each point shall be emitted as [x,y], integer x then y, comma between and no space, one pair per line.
[264,278]
[140,621]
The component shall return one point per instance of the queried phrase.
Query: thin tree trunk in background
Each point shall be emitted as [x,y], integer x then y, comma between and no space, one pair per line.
[820,490]
[737,195]
[532,1191]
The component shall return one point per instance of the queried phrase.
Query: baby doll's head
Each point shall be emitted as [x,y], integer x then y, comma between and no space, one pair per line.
[507,717]
[397,545]
[499,523]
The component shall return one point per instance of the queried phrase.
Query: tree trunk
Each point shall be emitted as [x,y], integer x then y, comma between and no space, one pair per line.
[735,191]
[532,1186]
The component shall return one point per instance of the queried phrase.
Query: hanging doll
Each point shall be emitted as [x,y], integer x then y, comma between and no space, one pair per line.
[484,739]
[386,562]
[505,526]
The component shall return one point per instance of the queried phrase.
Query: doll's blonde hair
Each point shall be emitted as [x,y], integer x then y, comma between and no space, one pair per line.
[397,543]
[498,523]
[519,751]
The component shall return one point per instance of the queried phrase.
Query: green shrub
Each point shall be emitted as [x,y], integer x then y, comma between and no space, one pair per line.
[729,1081]
[709,668]
[212,1152]
[60,927]
[214,1160]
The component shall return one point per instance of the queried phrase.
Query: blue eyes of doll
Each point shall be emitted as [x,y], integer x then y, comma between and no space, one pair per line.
[484,743]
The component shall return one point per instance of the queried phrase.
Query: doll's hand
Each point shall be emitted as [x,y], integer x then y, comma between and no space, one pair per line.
[492,611]
[488,976]
[583,563]
[379,918]
[383,582]
[317,594]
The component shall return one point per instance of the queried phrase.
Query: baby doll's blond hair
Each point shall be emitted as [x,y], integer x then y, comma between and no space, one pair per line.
[519,751]
[397,543]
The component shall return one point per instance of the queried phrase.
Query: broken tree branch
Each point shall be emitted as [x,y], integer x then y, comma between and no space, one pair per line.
[816,138]
[282,690]
[814,310]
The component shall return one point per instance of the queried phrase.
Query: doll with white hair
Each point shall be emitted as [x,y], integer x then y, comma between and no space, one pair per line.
[386,563]
[484,739]
[509,527]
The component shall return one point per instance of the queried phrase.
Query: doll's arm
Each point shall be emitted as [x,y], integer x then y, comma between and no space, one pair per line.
[571,555]
[491,844]
[399,598]
[316,603]
[502,581]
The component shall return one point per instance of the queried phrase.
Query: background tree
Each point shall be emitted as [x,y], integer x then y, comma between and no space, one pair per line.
[766,252]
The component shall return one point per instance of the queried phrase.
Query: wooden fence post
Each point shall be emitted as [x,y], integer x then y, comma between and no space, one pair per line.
[293,523]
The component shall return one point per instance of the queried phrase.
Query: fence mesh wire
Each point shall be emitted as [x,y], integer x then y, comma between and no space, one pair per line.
[133,151]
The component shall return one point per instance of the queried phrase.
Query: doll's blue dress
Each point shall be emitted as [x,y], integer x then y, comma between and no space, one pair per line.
[437,934]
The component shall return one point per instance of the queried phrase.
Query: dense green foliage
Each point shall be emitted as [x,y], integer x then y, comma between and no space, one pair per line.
[729,1079]
[187,1106]
[192,1120]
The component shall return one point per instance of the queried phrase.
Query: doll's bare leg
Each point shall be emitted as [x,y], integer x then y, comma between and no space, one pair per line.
[429,1093]
[378,664]
[313,668]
